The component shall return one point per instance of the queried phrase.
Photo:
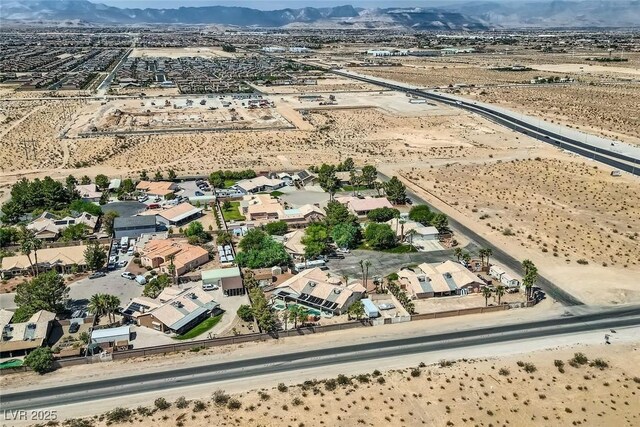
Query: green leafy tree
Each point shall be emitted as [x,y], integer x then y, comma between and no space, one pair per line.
[272,253]
[277,228]
[253,240]
[102,182]
[337,213]
[47,291]
[158,176]
[97,305]
[71,183]
[441,222]
[369,175]
[383,214]
[108,220]
[328,180]
[224,238]
[421,214]
[85,180]
[245,313]
[262,311]
[171,174]
[8,235]
[40,360]
[128,186]
[458,253]
[80,206]
[226,206]
[380,236]
[396,190]
[216,179]
[316,240]
[346,235]
[153,288]
[356,310]
[74,232]
[347,165]
[144,176]
[95,256]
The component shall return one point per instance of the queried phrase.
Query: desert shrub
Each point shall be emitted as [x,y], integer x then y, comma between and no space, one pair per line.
[362,378]
[636,380]
[161,403]
[504,372]
[118,415]
[220,398]
[445,363]
[343,380]
[560,365]
[529,368]
[580,359]
[381,380]
[330,384]
[600,364]
[234,404]
[181,402]
[144,411]
[415,372]
[296,401]
[78,422]
[199,406]
[582,261]
[376,373]
[282,388]
[264,396]
[520,363]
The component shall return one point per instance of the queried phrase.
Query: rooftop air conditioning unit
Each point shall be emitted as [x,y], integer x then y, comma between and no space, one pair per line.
[337,291]
[312,284]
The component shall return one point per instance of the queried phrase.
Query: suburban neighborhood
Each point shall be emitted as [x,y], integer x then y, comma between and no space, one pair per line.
[125,265]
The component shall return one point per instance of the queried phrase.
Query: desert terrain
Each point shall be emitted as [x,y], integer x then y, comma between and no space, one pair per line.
[583,385]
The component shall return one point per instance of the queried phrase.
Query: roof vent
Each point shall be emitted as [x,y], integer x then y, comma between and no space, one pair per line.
[447,275]
[337,291]
[312,284]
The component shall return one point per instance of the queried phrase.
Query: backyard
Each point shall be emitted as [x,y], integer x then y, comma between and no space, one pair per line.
[231,212]
[201,328]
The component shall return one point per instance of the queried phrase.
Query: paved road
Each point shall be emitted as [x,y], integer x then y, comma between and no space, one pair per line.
[205,374]
[477,242]
[614,153]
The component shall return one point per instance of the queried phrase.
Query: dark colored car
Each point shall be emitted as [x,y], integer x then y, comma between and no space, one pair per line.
[74,327]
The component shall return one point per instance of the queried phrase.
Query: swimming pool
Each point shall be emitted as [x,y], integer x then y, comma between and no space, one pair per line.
[279,305]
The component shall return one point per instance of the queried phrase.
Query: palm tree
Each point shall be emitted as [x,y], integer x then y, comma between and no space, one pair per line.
[458,253]
[97,304]
[367,263]
[487,253]
[112,303]
[345,279]
[466,257]
[30,243]
[482,253]
[362,269]
[486,293]
[527,264]
[410,235]
[500,292]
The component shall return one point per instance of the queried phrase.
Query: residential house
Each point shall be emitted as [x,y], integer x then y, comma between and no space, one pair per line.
[303,177]
[161,254]
[89,192]
[258,184]
[133,227]
[444,279]
[179,314]
[117,338]
[64,260]
[48,227]
[157,188]
[263,208]
[229,279]
[314,288]
[20,338]
[293,243]
[180,214]
[362,206]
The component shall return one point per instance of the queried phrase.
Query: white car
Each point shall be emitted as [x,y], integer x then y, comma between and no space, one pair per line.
[142,199]
[210,287]
[128,275]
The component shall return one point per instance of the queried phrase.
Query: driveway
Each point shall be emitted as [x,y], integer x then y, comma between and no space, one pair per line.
[125,209]
[382,264]
[303,197]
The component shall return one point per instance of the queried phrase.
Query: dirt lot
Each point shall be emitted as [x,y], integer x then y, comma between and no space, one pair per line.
[480,392]
[608,110]
[203,52]
[556,212]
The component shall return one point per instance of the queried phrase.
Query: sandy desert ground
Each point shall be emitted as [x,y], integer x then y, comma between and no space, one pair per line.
[541,388]
[196,51]
[609,110]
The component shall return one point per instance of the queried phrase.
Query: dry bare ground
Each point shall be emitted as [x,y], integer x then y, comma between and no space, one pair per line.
[556,387]
[610,110]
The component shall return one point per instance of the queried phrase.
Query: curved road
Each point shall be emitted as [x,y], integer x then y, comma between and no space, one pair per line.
[163,380]
[499,255]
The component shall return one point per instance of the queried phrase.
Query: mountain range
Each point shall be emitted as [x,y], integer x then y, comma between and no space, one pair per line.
[477,15]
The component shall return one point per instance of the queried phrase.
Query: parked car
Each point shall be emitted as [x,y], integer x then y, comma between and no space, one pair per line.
[74,327]
[78,314]
[123,263]
[128,275]
[153,206]
[209,287]
[386,306]
[143,199]
[97,274]
[130,251]
[199,193]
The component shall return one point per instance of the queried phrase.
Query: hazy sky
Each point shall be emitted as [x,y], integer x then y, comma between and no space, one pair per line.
[273,4]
